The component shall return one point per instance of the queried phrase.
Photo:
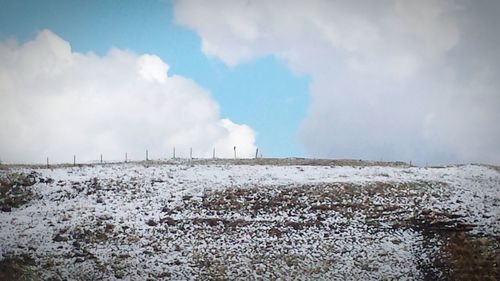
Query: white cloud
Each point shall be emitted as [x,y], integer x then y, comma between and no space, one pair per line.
[152,68]
[395,79]
[55,102]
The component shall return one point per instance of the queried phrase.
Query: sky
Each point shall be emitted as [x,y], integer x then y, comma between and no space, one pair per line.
[379,80]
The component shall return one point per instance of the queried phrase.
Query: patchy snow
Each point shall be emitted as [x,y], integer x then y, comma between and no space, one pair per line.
[181,221]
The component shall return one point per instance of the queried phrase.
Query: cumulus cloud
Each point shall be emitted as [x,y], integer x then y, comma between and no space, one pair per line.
[56,102]
[394,79]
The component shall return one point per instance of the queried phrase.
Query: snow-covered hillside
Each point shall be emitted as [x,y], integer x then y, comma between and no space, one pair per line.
[182,221]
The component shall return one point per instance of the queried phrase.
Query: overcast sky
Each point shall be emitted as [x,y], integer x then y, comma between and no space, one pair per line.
[391,80]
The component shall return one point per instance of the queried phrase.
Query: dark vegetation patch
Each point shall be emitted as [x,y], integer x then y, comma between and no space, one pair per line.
[16,189]
[470,257]
[454,252]
[18,269]
[375,201]
[494,167]
[462,256]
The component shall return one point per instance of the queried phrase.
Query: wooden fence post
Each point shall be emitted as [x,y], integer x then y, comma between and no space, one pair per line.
[147,158]
[234,152]
[74,160]
[173,153]
[47,162]
[213,156]
[190,153]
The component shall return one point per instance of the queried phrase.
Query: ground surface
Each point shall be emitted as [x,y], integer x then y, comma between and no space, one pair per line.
[300,220]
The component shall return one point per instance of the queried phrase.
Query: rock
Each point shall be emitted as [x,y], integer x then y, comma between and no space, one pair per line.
[109,228]
[119,274]
[396,241]
[169,221]
[59,238]
[105,217]
[151,222]
[6,209]
[274,232]
[164,274]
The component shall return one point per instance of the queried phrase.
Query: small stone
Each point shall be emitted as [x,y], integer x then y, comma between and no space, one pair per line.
[396,241]
[169,221]
[151,222]
[119,274]
[6,209]
[60,238]
[165,274]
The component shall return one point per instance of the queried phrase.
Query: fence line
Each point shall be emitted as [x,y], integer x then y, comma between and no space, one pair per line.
[174,157]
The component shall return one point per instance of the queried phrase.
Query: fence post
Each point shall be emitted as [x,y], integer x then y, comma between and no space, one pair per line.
[74,160]
[47,162]
[101,158]
[147,155]
[173,153]
[234,152]
[213,156]
[257,153]
[190,153]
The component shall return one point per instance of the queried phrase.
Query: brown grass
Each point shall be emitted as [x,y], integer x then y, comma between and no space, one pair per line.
[17,269]
[471,257]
